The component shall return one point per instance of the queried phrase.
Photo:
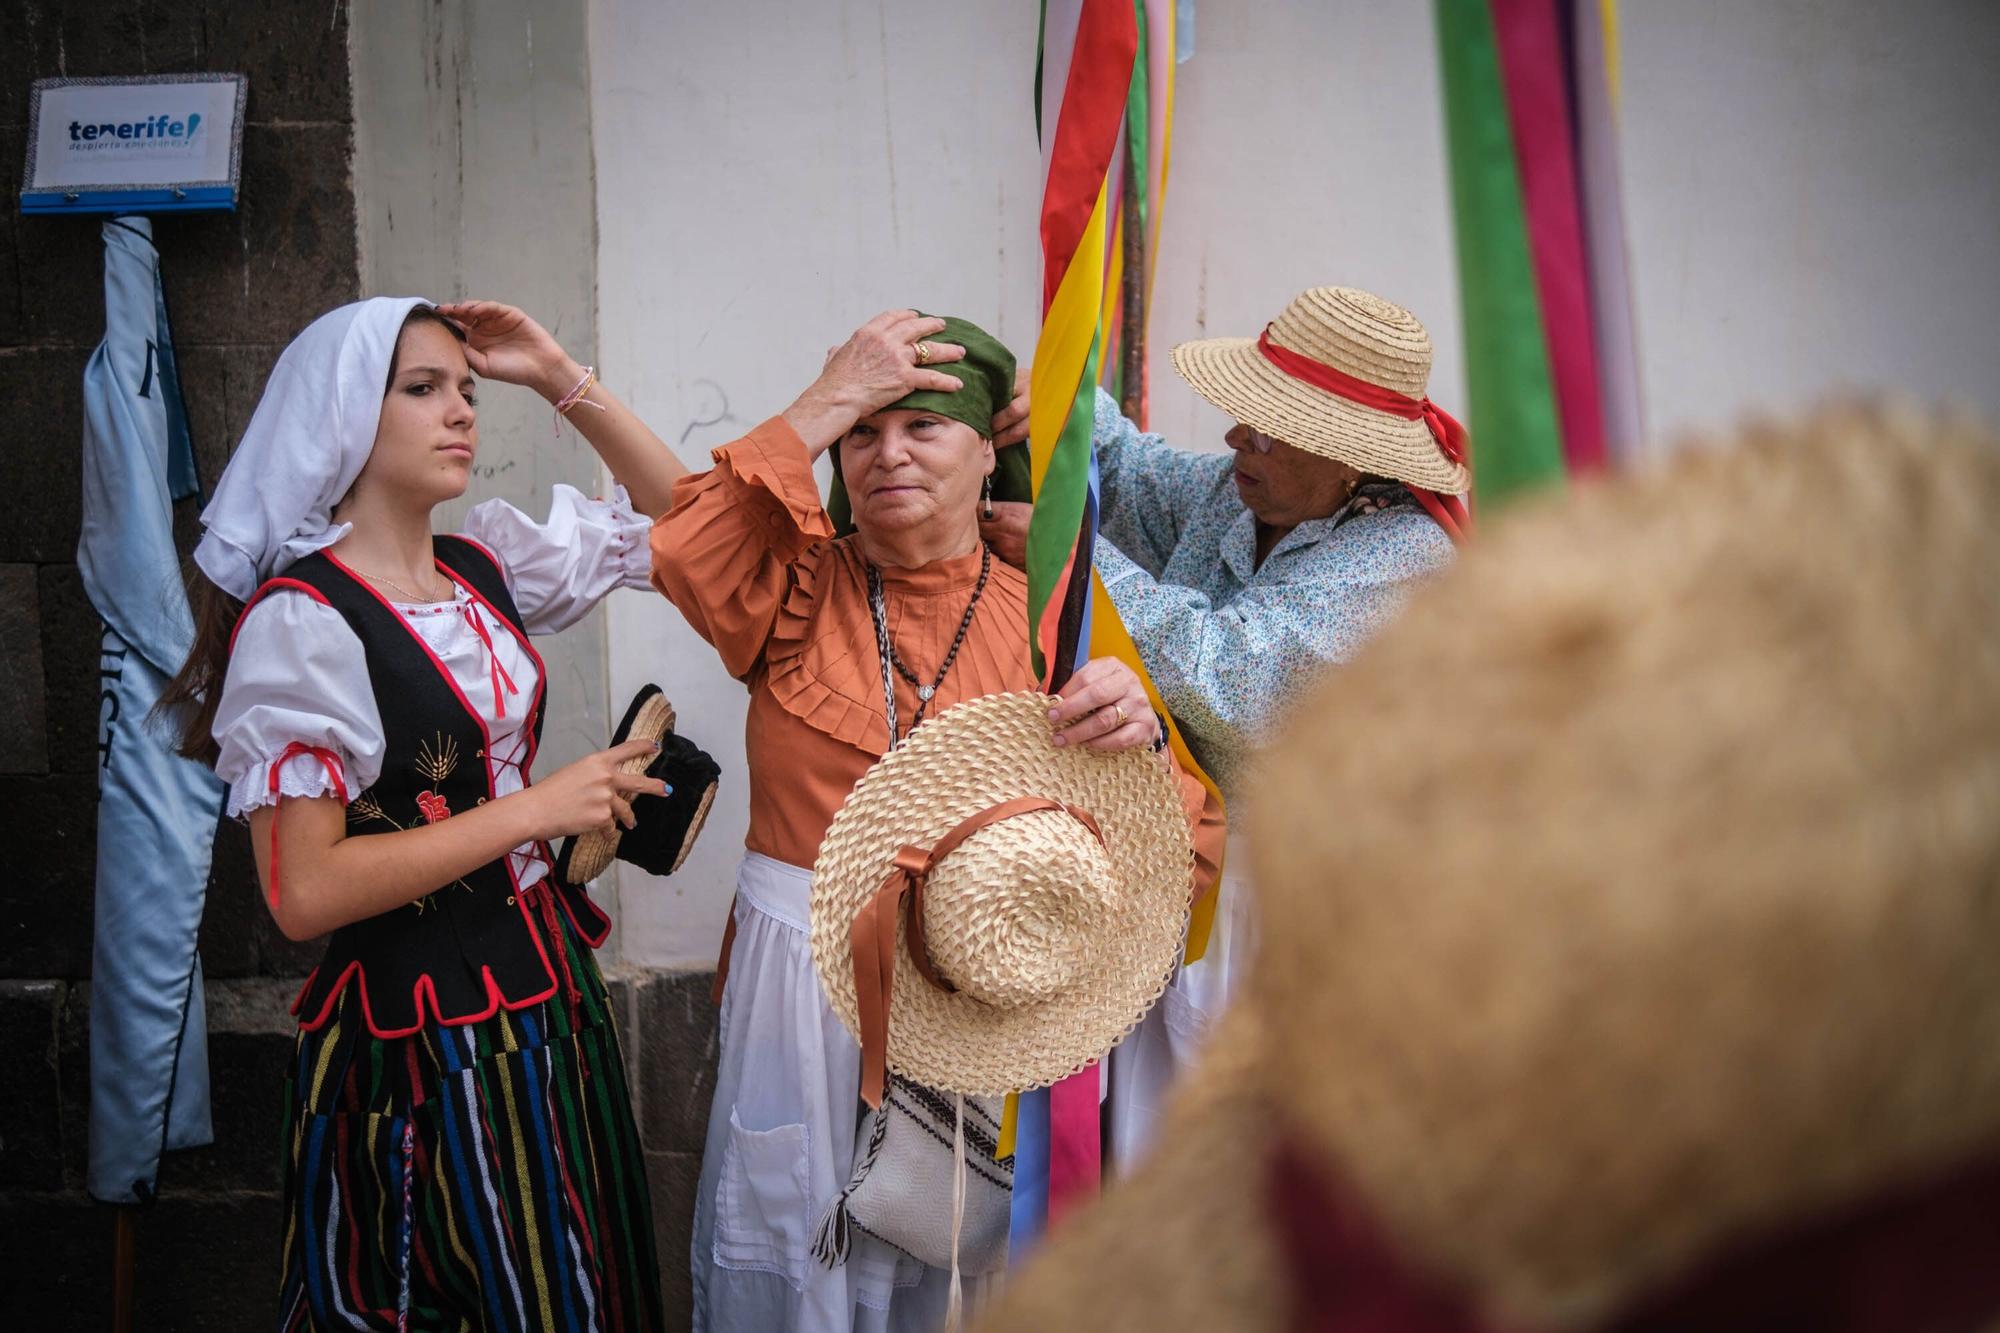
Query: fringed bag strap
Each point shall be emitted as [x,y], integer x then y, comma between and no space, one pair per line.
[833,1239]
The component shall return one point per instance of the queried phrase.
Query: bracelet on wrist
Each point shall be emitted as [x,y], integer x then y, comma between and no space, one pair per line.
[575,396]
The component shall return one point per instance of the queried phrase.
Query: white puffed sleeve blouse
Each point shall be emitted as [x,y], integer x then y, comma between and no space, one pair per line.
[298,677]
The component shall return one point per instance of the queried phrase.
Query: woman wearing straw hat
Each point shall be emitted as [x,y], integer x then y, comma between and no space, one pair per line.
[1243,575]
[1686,1021]
[847,645]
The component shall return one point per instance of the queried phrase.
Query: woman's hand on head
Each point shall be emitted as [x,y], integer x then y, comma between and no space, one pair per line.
[1104,707]
[1010,423]
[886,358]
[503,343]
[1007,531]
[878,364]
[591,793]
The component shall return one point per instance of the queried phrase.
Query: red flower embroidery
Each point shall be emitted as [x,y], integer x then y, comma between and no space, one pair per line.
[433,807]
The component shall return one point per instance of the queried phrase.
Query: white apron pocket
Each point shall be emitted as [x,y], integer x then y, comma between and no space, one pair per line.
[763,1201]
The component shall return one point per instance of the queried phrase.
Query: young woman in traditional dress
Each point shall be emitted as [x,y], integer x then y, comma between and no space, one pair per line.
[460,1148]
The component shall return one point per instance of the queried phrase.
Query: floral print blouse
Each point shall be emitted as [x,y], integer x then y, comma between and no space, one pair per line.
[1228,642]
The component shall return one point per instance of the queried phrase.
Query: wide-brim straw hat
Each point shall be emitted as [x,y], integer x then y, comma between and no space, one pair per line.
[1057,942]
[667,825]
[1357,334]
[1661,935]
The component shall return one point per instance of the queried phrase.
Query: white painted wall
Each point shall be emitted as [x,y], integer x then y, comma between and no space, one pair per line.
[1812,188]
[1308,150]
[472,179]
[770,175]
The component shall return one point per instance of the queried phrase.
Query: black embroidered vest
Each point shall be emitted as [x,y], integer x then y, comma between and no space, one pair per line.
[468,948]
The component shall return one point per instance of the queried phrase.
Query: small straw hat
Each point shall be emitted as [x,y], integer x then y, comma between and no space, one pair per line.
[667,825]
[1641,970]
[1357,335]
[1054,928]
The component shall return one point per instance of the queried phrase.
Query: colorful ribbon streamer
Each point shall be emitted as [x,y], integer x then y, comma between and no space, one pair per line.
[1550,365]
[1084,80]
[1104,85]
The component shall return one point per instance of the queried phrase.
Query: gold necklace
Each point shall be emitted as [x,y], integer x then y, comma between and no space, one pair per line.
[413,596]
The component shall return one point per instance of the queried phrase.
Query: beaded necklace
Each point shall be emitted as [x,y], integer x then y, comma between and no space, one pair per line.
[887,650]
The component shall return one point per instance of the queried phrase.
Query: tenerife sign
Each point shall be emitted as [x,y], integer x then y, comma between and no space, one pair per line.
[170,143]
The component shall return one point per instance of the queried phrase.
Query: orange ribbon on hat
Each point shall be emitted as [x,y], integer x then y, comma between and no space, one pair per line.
[873,936]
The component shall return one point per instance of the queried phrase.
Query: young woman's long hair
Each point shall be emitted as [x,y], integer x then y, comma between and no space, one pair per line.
[191,697]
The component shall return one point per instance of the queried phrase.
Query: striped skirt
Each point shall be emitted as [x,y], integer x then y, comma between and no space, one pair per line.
[486,1176]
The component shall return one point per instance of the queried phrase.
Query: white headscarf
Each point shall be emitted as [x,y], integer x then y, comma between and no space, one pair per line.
[312,432]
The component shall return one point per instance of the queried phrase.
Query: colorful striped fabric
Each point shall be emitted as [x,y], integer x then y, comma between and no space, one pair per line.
[1091,51]
[1149,118]
[1593,47]
[1089,81]
[1085,75]
[486,1176]
[1084,79]
[1550,365]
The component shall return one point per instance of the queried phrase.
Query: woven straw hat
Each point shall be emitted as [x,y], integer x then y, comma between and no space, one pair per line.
[668,825]
[1662,937]
[1056,943]
[1357,334]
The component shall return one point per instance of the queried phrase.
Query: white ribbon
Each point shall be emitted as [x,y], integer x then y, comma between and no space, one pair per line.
[954,1310]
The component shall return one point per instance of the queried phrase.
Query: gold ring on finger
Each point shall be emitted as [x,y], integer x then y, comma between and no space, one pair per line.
[1118,710]
[923,350]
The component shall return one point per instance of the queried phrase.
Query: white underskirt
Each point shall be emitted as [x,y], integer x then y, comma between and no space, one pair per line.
[1167,1042]
[781,1145]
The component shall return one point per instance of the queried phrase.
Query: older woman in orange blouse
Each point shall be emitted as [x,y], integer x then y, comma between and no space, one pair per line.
[846,645]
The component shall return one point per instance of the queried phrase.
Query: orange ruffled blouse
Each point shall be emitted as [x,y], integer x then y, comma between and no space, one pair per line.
[748,555]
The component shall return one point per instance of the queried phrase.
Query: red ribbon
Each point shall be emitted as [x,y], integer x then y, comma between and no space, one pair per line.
[1905,1254]
[1449,510]
[330,763]
[873,935]
[499,678]
[553,928]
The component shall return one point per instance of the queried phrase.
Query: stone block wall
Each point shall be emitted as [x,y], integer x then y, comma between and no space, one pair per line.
[238,287]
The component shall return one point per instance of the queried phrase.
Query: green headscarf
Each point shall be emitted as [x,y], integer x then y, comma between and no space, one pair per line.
[986,377]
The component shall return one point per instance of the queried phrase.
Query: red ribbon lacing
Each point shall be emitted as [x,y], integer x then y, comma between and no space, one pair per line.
[1448,510]
[873,936]
[554,929]
[499,677]
[290,752]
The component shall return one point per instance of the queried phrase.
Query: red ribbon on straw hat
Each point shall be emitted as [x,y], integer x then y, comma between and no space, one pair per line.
[873,936]
[1449,510]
